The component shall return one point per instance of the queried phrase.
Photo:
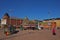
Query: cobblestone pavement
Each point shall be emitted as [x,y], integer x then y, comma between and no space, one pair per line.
[31,35]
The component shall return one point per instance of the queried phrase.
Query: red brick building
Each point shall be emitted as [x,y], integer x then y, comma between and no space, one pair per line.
[12,21]
[26,23]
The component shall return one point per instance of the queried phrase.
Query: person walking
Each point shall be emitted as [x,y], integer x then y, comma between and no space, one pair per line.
[54,28]
[53,31]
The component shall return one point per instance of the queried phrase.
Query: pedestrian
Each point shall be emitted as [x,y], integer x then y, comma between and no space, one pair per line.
[53,28]
[53,31]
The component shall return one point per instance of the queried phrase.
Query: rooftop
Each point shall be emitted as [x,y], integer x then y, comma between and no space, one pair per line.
[52,19]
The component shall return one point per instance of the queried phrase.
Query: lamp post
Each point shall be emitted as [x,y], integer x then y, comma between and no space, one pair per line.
[49,22]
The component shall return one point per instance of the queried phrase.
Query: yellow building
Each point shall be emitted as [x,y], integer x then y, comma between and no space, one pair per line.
[56,20]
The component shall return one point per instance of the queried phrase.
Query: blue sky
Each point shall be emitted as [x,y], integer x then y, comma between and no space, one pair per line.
[33,9]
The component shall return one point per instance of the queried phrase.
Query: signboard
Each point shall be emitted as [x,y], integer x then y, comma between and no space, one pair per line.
[3,21]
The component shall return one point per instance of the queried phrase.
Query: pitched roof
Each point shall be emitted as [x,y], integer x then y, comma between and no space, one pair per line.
[6,14]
